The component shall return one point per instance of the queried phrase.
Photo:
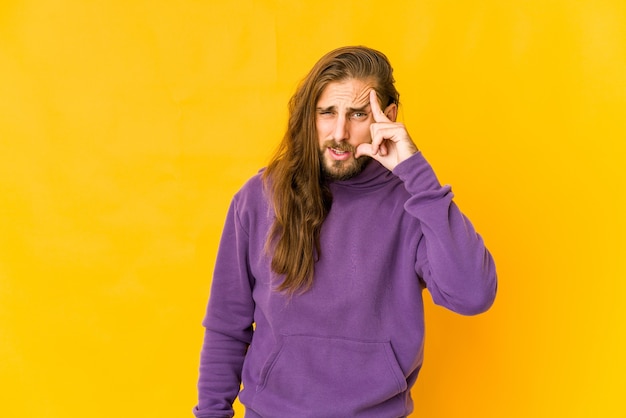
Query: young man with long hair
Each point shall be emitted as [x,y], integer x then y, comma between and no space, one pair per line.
[316,301]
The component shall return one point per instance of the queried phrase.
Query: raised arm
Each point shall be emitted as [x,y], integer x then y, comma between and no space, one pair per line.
[452,259]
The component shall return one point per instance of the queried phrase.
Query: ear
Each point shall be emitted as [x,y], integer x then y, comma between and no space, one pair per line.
[391,112]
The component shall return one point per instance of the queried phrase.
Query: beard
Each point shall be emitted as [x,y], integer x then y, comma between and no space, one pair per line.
[339,170]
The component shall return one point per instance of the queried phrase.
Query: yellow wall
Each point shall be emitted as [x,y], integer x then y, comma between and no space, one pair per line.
[126,126]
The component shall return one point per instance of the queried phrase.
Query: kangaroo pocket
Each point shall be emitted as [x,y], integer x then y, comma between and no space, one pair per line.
[328,377]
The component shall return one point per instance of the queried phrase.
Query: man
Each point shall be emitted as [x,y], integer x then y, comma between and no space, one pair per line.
[316,301]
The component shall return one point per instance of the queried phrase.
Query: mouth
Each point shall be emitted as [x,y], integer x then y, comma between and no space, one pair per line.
[339,154]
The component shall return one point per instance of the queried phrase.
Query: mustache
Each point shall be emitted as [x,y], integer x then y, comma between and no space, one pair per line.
[340,146]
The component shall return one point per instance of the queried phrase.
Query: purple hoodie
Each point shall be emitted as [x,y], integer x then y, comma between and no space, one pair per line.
[351,346]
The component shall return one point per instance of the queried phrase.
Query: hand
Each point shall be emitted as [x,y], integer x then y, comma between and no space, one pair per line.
[391,143]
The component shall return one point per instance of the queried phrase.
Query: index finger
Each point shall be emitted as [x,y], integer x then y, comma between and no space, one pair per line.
[377,112]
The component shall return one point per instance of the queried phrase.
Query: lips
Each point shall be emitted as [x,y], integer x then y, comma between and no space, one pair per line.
[339,154]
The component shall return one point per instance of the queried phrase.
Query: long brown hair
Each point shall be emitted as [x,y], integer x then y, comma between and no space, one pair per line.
[299,193]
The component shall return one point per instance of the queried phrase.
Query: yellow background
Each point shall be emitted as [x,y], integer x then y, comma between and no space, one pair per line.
[126,127]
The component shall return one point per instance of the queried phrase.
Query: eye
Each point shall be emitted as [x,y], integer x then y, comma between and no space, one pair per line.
[325,113]
[359,115]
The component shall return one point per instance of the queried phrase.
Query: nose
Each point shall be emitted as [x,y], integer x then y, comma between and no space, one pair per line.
[341,132]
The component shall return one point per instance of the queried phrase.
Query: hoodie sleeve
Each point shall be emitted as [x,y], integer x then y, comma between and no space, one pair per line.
[452,259]
[228,323]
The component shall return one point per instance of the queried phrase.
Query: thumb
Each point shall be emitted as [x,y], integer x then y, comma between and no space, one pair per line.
[364,149]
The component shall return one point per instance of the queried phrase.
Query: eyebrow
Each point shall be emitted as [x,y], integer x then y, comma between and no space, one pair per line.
[350,109]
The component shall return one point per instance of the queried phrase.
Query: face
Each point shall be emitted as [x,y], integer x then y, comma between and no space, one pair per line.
[343,119]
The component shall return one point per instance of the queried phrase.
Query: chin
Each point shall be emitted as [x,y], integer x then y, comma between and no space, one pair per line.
[344,170]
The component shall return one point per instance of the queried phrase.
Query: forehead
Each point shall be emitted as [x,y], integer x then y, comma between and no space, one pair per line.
[350,92]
